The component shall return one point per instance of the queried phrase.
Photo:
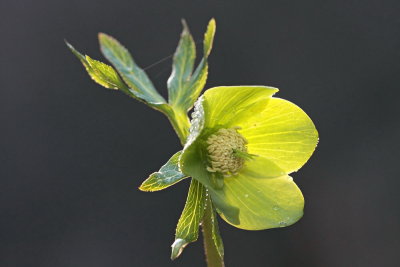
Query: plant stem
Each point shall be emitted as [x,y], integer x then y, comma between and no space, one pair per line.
[181,124]
[212,256]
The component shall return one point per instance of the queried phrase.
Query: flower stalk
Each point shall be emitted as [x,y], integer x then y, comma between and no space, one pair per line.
[212,256]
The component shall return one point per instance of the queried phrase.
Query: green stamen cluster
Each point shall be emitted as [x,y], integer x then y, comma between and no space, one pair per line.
[222,148]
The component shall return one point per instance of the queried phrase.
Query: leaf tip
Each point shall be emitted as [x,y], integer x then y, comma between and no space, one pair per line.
[69,45]
[209,37]
[76,53]
[185,27]
[184,23]
[102,35]
[177,247]
[212,22]
[105,38]
[144,188]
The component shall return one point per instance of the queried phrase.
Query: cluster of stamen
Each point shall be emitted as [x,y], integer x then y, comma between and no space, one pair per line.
[223,148]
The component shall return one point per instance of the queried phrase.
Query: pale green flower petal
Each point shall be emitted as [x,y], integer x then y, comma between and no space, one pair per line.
[249,202]
[262,203]
[261,167]
[228,105]
[283,133]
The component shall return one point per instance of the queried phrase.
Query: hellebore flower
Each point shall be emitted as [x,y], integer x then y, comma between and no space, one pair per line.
[239,148]
[242,145]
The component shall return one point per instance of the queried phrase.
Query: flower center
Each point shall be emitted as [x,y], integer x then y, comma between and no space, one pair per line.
[226,151]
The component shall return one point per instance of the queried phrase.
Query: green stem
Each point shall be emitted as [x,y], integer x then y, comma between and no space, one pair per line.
[212,257]
[181,124]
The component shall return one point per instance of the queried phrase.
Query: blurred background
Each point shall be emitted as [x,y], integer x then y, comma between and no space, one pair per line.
[72,153]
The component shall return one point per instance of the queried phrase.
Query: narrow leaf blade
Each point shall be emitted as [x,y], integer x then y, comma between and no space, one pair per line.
[131,73]
[197,83]
[182,67]
[199,77]
[189,87]
[105,74]
[169,174]
[209,37]
[100,72]
[187,229]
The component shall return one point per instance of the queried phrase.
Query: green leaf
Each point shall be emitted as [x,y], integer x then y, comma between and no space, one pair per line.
[197,83]
[185,86]
[187,229]
[209,37]
[216,236]
[168,175]
[199,77]
[130,72]
[101,73]
[182,67]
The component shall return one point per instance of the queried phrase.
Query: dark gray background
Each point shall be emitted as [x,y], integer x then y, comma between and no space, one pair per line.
[72,153]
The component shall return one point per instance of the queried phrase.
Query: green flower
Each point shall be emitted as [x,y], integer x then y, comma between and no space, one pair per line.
[239,148]
[242,145]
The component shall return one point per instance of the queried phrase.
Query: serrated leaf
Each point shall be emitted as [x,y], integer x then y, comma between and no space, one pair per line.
[209,37]
[100,72]
[169,174]
[199,77]
[131,73]
[182,67]
[185,86]
[187,229]
[197,83]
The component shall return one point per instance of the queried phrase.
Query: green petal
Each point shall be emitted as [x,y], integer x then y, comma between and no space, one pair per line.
[249,202]
[260,167]
[262,203]
[229,105]
[282,133]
